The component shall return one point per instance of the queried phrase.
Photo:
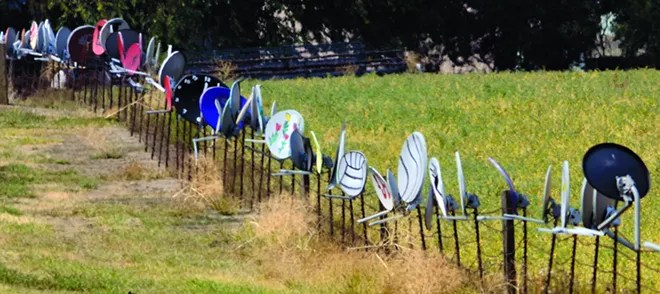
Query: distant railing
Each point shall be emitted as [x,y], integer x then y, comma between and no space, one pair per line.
[300,61]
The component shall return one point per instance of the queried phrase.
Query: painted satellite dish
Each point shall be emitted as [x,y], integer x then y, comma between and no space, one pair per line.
[255,119]
[301,152]
[34,35]
[603,163]
[129,37]
[334,175]
[227,125]
[382,189]
[187,93]
[412,167]
[279,130]
[173,66]
[352,171]
[61,41]
[319,154]
[131,58]
[109,27]
[207,103]
[79,43]
[437,186]
[97,47]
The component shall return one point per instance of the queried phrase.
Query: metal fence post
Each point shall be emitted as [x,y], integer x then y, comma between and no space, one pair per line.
[4,81]
[509,244]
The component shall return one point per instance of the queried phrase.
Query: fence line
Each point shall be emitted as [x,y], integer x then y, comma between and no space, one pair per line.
[514,252]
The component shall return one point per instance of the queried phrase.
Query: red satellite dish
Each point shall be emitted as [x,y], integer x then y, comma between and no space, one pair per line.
[131,58]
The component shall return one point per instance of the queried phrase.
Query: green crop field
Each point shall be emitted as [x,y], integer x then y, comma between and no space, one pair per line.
[71,219]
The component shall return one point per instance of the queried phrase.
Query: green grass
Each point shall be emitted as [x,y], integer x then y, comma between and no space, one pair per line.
[525,121]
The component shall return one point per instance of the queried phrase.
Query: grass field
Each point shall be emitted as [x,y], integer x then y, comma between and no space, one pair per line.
[71,221]
[526,121]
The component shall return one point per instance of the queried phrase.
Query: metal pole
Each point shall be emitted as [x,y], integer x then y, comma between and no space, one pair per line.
[509,243]
[421,227]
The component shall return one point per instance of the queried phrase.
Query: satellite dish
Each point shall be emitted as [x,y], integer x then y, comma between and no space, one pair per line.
[208,107]
[384,193]
[256,120]
[352,170]
[621,175]
[595,206]
[129,38]
[300,154]
[227,126]
[49,46]
[394,187]
[245,109]
[334,175]
[437,186]
[235,99]
[273,109]
[547,196]
[412,167]
[187,93]
[61,39]
[173,66]
[461,183]
[109,27]
[565,192]
[97,46]
[603,163]
[34,35]
[278,132]
[41,38]
[130,59]
[79,43]
[429,208]
[319,155]
[10,38]
[149,55]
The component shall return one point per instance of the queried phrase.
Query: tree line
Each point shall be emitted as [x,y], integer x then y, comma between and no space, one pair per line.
[513,34]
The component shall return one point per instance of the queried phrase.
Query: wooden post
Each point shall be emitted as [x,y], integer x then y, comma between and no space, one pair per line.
[4,80]
[509,244]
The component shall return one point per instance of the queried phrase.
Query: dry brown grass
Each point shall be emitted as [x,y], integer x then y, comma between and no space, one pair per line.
[284,240]
[103,147]
[207,190]
[225,70]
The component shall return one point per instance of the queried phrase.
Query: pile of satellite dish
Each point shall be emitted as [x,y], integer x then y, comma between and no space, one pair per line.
[613,174]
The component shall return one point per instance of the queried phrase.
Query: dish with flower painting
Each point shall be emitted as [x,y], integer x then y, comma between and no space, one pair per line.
[278,132]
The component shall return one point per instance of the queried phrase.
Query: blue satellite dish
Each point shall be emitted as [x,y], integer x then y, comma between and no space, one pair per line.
[604,162]
[207,104]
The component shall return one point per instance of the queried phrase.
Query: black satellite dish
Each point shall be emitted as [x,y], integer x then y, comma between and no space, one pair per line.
[79,43]
[187,93]
[173,66]
[603,163]
[112,43]
[619,174]
[301,151]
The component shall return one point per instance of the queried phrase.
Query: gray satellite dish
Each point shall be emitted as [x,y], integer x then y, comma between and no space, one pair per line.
[352,169]
[334,178]
[61,40]
[111,26]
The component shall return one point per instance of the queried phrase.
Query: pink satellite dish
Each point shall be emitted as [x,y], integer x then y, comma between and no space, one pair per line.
[97,47]
[130,59]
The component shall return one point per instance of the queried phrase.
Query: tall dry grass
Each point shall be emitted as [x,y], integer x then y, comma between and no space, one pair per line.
[283,239]
[206,190]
